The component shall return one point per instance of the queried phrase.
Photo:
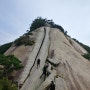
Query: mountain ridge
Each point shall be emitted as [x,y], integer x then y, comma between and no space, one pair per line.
[71,71]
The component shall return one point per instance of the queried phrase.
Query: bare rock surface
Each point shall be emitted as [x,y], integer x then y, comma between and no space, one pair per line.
[73,67]
[45,85]
[68,69]
[77,47]
[54,62]
[32,57]
[34,80]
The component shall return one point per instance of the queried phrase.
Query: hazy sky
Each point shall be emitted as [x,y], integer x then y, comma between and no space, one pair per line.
[72,15]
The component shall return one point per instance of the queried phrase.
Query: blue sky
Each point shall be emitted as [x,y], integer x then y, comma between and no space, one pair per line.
[72,15]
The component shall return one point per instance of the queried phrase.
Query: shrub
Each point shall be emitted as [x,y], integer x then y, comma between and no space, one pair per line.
[87,56]
[29,43]
[29,33]
[5,47]
[9,63]
[38,22]
[58,27]
[23,40]
[6,84]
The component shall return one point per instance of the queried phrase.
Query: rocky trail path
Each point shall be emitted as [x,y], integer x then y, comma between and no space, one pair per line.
[33,80]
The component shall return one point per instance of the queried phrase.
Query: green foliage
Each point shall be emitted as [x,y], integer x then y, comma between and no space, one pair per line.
[53,25]
[59,27]
[38,22]
[87,48]
[29,43]
[29,33]
[9,63]
[24,40]
[87,56]
[5,47]
[6,84]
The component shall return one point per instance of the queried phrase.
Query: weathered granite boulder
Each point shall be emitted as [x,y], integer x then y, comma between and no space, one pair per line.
[54,62]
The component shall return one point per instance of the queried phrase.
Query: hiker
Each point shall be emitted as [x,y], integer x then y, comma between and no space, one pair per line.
[38,63]
[52,86]
[44,71]
[47,65]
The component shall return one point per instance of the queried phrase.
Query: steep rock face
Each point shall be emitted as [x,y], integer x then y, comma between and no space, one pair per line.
[22,52]
[33,81]
[77,47]
[73,71]
[70,70]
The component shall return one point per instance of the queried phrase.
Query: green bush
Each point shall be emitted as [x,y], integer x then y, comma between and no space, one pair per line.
[23,40]
[38,22]
[9,63]
[5,47]
[6,84]
[53,25]
[29,43]
[87,56]
[29,33]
